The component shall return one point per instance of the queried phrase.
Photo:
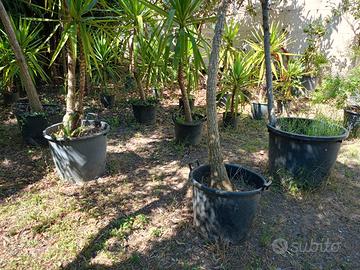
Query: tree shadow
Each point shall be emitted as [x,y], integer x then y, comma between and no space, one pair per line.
[97,243]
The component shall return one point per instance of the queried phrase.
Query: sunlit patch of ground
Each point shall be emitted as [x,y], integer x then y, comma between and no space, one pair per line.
[138,215]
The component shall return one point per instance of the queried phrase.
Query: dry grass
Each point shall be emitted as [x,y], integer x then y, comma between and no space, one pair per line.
[138,216]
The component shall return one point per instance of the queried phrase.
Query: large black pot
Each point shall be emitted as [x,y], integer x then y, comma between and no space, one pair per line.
[231,120]
[259,110]
[144,114]
[32,124]
[309,82]
[308,160]
[107,100]
[223,215]
[352,122]
[79,159]
[188,133]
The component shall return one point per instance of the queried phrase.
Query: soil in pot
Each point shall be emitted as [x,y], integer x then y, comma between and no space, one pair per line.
[107,100]
[82,158]
[304,150]
[231,120]
[145,111]
[259,110]
[188,133]
[352,121]
[226,216]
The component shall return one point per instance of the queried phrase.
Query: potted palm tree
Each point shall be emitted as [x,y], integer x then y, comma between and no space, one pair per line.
[288,85]
[225,196]
[78,146]
[313,59]
[278,42]
[31,122]
[185,40]
[235,81]
[137,25]
[105,71]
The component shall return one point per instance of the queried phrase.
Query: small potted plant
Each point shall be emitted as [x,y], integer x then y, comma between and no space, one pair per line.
[288,85]
[235,81]
[32,116]
[186,59]
[105,71]
[352,115]
[314,60]
[278,42]
[140,35]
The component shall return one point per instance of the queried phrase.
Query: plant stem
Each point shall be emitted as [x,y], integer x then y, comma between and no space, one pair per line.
[82,83]
[184,94]
[30,89]
[219,176]
[268,75]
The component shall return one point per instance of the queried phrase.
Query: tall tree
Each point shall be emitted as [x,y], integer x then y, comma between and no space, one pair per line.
[268,74]
[28,83]
[219,176]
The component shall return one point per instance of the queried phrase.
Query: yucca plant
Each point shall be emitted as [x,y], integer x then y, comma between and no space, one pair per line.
[238,77]
[135,20]
[228,49]
[28,35]
[289,81]
[105,71]
[78,22]
[182,35]
[279,55]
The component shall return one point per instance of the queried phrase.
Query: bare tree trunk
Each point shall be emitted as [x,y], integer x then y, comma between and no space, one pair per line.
[184,94]
[30,89]
[232,105]
[219,176]
[268,75]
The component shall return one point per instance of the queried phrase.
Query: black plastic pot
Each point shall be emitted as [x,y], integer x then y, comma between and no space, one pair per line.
[222,215]
[309,82]
[191,103]
[144,114]
[32,125]
[10,98]
[189,133]
[308,160]
[231,120]
[107,101]
[352,122]
[259,110]
[79,159]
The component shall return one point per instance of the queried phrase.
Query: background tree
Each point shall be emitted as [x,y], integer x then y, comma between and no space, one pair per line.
[268,72]
[28,84]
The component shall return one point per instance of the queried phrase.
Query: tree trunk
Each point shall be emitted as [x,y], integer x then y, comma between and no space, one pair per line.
[232,104]
[79,106]
[219,176]
[184,94]
[268,75]
[29,86]
[71,118]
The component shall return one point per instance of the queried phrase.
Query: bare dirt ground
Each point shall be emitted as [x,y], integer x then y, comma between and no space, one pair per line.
[139,215]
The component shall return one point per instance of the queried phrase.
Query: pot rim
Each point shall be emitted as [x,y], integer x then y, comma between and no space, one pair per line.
[104,132]
[193,123]
[223,193]
[351,112]
[302,137]
[259,103]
